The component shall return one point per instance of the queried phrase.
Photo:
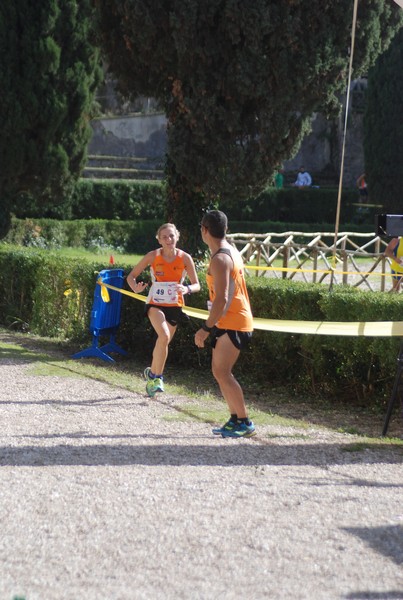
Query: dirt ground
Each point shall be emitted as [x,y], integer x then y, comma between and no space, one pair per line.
[106,494]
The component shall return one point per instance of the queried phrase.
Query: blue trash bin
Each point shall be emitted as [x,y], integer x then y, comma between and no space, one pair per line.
[105,316]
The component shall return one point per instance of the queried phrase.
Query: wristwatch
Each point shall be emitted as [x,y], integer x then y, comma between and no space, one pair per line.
[206,328]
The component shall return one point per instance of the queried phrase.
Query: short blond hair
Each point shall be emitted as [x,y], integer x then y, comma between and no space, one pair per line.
[165,226]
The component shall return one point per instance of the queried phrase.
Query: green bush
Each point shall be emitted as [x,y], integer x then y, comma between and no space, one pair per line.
[53,296]
[123,200]
[128,200]
[126,236]
[101,199]
[282,226]
[310,205]
[46,294]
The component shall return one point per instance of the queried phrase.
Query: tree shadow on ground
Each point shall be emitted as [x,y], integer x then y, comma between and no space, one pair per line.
[231,453]
[339,417]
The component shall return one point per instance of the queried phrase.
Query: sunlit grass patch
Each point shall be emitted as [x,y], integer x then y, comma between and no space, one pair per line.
[196,412]
[292,436]
[110,373]
[269,418]
[14,351]
[356,447]
[372,444]
[100,256]
[352,430]
[51,370]
[214,411]
[194,395]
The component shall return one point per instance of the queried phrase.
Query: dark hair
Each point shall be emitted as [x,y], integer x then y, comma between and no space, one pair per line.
[216,222]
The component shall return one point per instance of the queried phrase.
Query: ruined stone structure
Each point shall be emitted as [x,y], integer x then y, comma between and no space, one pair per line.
[143,136]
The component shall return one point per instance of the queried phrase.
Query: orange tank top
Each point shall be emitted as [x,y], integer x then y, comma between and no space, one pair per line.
[166,272]
[237,313]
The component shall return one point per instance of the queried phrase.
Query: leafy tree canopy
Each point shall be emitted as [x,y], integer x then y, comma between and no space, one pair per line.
[48,76]
[383,128]
[239,80]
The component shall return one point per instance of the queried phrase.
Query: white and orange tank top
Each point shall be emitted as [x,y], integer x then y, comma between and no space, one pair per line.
[237,313]
[165,276]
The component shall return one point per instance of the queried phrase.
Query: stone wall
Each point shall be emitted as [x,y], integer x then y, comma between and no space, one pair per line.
[321,151]
[136,135]
[145,136]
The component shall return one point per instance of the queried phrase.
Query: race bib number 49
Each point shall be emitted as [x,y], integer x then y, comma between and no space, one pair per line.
[164,292]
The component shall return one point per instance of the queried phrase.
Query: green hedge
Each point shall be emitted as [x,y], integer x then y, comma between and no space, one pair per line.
[135,237]
[127,200]
[124,200]
[100,199]
[52,296]
[310,205]
[282,226]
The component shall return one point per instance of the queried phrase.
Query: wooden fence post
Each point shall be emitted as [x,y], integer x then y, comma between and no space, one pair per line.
[286,257]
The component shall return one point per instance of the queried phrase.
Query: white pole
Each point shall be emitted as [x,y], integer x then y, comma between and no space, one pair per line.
[350,69]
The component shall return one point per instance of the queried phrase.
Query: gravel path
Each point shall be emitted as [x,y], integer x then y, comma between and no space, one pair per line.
[108,495]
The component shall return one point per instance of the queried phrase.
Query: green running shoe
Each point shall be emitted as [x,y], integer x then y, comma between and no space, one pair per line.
[240,430]
[229,426]
[154,385]
[146,373]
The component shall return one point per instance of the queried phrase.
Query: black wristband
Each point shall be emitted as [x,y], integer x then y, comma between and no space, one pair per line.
[206,328]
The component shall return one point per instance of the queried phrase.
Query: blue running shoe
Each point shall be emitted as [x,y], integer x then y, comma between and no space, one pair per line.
[154,385]
[241,430]
[229,426]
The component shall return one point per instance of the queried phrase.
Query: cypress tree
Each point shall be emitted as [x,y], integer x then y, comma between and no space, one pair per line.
[383,128]
[49,72]
[239,82]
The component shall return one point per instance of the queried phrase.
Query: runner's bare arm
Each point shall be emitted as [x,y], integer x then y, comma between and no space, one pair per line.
[146,261]
[191,273]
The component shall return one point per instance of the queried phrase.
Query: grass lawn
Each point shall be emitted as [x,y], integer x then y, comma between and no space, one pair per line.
[201,398]
[102,255]
[125,260]
[270,402]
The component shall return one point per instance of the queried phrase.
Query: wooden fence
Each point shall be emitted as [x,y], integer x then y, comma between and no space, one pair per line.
[356,259]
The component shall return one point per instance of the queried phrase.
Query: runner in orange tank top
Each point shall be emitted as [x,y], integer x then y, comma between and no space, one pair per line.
[230,321]
[168,266]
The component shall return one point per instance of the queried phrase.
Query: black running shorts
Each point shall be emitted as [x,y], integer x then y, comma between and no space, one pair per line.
[240,339]
[173,314]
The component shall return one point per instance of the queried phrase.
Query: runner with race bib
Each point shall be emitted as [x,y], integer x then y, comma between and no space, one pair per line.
[169,268]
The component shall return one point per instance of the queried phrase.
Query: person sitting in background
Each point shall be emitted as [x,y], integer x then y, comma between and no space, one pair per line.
[394,251]
[303,179]
[362,187]
[279,179]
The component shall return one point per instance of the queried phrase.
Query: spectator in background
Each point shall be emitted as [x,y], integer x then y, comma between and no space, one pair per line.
[362,187]
[279,179]
[303,179]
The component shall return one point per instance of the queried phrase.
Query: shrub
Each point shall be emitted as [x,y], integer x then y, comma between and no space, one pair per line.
[310,205]
[126,236]
[128,200]
[101,199]
[53,296]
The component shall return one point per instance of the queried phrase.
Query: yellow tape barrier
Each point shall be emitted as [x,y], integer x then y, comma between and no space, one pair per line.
[353,328]
[327,271]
